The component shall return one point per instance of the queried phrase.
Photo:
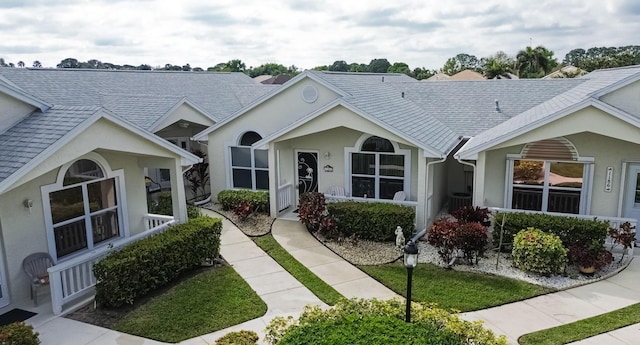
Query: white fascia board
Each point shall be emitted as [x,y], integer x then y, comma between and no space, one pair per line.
[306,74]
[184,100]
[24,97]
[617,85]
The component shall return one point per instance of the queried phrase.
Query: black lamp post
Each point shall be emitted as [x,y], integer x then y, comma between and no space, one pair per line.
[410,262]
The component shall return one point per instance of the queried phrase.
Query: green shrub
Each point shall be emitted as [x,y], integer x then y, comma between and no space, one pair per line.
[377,322]
[238,338]
[18,333]
[539,252]
[163,205]
[375,221]
[149,263]
[570,230]
[231,198]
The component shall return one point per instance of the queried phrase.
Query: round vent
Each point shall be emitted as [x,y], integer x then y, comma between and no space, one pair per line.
[310,94]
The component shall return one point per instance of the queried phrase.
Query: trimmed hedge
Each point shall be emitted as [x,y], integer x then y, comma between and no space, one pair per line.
[591,232]
[374,221]
[152,262]
[18,333]
[231,198]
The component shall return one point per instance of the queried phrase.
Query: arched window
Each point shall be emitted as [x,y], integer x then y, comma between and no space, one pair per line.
[84,208]
[378,169]
[249,166]
[549,176]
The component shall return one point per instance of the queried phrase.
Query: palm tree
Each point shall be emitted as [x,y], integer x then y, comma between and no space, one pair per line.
[534,62]
[37,64]
[499,65]
[21,64]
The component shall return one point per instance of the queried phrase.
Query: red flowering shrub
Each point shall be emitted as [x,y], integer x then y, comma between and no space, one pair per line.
[442,235]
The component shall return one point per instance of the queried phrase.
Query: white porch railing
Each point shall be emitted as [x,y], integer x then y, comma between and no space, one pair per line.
[71,280]
[614,222]
[284,196]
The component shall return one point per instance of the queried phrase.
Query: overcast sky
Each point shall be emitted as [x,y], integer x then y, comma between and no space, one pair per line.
[305,33]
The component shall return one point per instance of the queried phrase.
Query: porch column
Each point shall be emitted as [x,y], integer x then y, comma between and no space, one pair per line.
[178,197]
[422,212]
[478,182]
[273,181]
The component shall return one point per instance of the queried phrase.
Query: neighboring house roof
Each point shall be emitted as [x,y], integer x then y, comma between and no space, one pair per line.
[592,86]
[438,77]
[138,95]
[566,72]
[278,79]
[467,74]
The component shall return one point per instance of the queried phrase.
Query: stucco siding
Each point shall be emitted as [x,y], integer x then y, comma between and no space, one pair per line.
[187,113]
[13,111]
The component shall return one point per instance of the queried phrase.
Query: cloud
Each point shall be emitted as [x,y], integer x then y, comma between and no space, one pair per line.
[393,18]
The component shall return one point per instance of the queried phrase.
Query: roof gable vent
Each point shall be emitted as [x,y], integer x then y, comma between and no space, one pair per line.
[309,94]
[551,149]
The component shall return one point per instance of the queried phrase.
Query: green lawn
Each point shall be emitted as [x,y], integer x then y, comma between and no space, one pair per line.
[584,328]
[451,289]
[210,301]
[321,289]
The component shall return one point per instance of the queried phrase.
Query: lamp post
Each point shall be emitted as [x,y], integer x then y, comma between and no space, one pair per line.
[410,262]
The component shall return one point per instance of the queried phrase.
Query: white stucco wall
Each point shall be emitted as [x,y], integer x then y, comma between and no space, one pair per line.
[187,113]
[265,119]
[13,111]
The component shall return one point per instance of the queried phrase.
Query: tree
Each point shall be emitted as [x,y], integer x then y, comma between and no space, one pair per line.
[68,63]
[321,68]
[497,65]
[37,64]
[400,67]
[421,73]
[186,68]
[603,57]
[379,66]
[2,63]
[358,67]
[269,69]
[535,62]
[460,63]
[339,66]
[21,64]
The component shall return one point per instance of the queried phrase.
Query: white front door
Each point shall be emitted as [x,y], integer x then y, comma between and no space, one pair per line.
[632,193]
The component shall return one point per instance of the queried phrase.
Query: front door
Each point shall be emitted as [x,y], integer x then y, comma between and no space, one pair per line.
[307,171]
[632,193]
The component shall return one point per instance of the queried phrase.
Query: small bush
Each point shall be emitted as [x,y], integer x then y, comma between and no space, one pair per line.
[442,235]
[18,333]
[471,239]
[374,221]
[238,338]
[539,252]
[624,236]
[243,210]
[193,211]
[470,214]
[231,198]
[149,263]
[584,256]
[312,209]
[163,205]
[378,322]
[570,230]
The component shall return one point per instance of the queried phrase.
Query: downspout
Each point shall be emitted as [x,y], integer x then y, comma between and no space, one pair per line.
[426,196]
[473,166]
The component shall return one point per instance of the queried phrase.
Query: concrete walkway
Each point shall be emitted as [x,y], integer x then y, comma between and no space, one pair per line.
[284,295]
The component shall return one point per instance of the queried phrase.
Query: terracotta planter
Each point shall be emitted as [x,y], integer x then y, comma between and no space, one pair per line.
[587,270]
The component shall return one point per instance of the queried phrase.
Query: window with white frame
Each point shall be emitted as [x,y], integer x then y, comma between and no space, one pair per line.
[547,185]
[83,208]
[249,166]
[378,169]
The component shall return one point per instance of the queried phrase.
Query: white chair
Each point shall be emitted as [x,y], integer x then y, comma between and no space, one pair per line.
[400,196]
[35,266]
[336,191]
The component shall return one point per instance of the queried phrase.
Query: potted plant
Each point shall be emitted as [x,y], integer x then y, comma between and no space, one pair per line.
[589,260]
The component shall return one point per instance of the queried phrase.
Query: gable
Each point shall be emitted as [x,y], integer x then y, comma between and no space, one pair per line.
[102,134]
[626,98]
[279,110]
[589,119]
[12,111]
[183,112]
[340,116]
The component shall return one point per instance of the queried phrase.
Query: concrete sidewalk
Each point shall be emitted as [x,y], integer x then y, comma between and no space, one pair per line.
[555,309]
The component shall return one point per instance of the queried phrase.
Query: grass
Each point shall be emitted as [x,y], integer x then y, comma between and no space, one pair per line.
[584,328]
[462,291]
[321,289]
[210,301]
